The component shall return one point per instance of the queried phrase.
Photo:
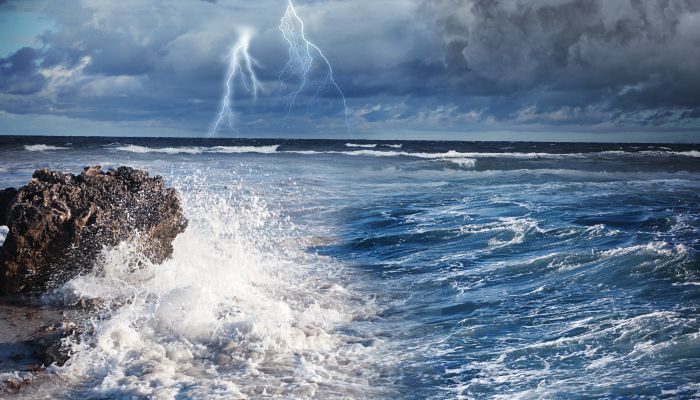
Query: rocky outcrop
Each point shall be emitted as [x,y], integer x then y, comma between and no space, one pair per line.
[59,223]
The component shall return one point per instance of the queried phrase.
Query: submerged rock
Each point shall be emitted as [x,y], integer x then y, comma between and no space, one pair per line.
[59,223]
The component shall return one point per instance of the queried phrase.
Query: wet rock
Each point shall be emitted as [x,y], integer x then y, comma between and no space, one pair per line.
[59,223]
[7,196]
[51,345]
[34,334]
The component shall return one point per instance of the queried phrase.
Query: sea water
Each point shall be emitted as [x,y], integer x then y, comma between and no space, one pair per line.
[390,269]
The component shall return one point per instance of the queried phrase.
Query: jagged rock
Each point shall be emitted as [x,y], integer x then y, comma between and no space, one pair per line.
[59,223]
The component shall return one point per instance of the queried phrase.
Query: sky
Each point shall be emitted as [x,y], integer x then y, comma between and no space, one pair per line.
[566,70]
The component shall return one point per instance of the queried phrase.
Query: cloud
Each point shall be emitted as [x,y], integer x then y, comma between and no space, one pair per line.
[631,55]
[404,64]
[19,73]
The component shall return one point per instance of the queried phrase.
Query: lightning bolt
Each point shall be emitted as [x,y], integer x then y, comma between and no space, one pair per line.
[302,54]
[241,64]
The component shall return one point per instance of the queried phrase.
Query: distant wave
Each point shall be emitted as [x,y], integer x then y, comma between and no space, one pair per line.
[691,153]
[447,154]
[534,155]
[465,159]
[198,150]
[374,145]
[463,162]
[244,149]
[42,147]
[168,150]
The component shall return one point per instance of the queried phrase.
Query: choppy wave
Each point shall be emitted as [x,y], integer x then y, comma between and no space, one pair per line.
[463,162]
[374,145]
[371,150]
[388,153]
[43,147]
[514,155]
[244,149]
[132,148]
[397,273]
[691,153]
[198,149]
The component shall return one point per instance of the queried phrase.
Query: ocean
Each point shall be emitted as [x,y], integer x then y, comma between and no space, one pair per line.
[358,269]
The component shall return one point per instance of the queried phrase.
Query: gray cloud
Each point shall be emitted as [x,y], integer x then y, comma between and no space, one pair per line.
[18,72]
[630,54]
[404,64]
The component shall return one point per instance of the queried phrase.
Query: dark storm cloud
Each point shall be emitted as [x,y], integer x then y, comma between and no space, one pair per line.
[18,72]
[632,54]
[404,64]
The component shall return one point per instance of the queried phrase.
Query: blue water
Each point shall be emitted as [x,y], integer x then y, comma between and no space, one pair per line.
[468,270]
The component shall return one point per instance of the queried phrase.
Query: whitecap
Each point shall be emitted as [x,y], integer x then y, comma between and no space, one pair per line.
[463,162]
[691,153]
[648,249]
[516,155]
[132,148]
[198,149]
[244,149]
[518,228]
[43,147]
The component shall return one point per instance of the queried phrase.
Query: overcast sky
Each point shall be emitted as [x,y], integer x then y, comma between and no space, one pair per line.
[443,69]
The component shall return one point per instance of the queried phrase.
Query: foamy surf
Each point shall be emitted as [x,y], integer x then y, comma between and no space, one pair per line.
[318,270]
[240,311]
[43,147]
[197,149]
[368,145]
[375,150]
[453,154]
[463,162]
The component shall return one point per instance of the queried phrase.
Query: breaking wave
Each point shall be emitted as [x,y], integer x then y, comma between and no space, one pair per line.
[198,149]
[43,147]
[463,162]
[372,150]
[239,311]
[518,155]
[374,145]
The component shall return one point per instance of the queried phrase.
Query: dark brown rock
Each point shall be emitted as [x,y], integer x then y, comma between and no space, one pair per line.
[59,223]
[7,196]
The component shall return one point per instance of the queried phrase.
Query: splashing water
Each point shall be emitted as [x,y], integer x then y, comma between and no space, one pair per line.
[240,65]
[303,54]
[312,269]
[239,311]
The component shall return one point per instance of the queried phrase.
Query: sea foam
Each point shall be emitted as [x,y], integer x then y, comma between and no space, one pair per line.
[239,309]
